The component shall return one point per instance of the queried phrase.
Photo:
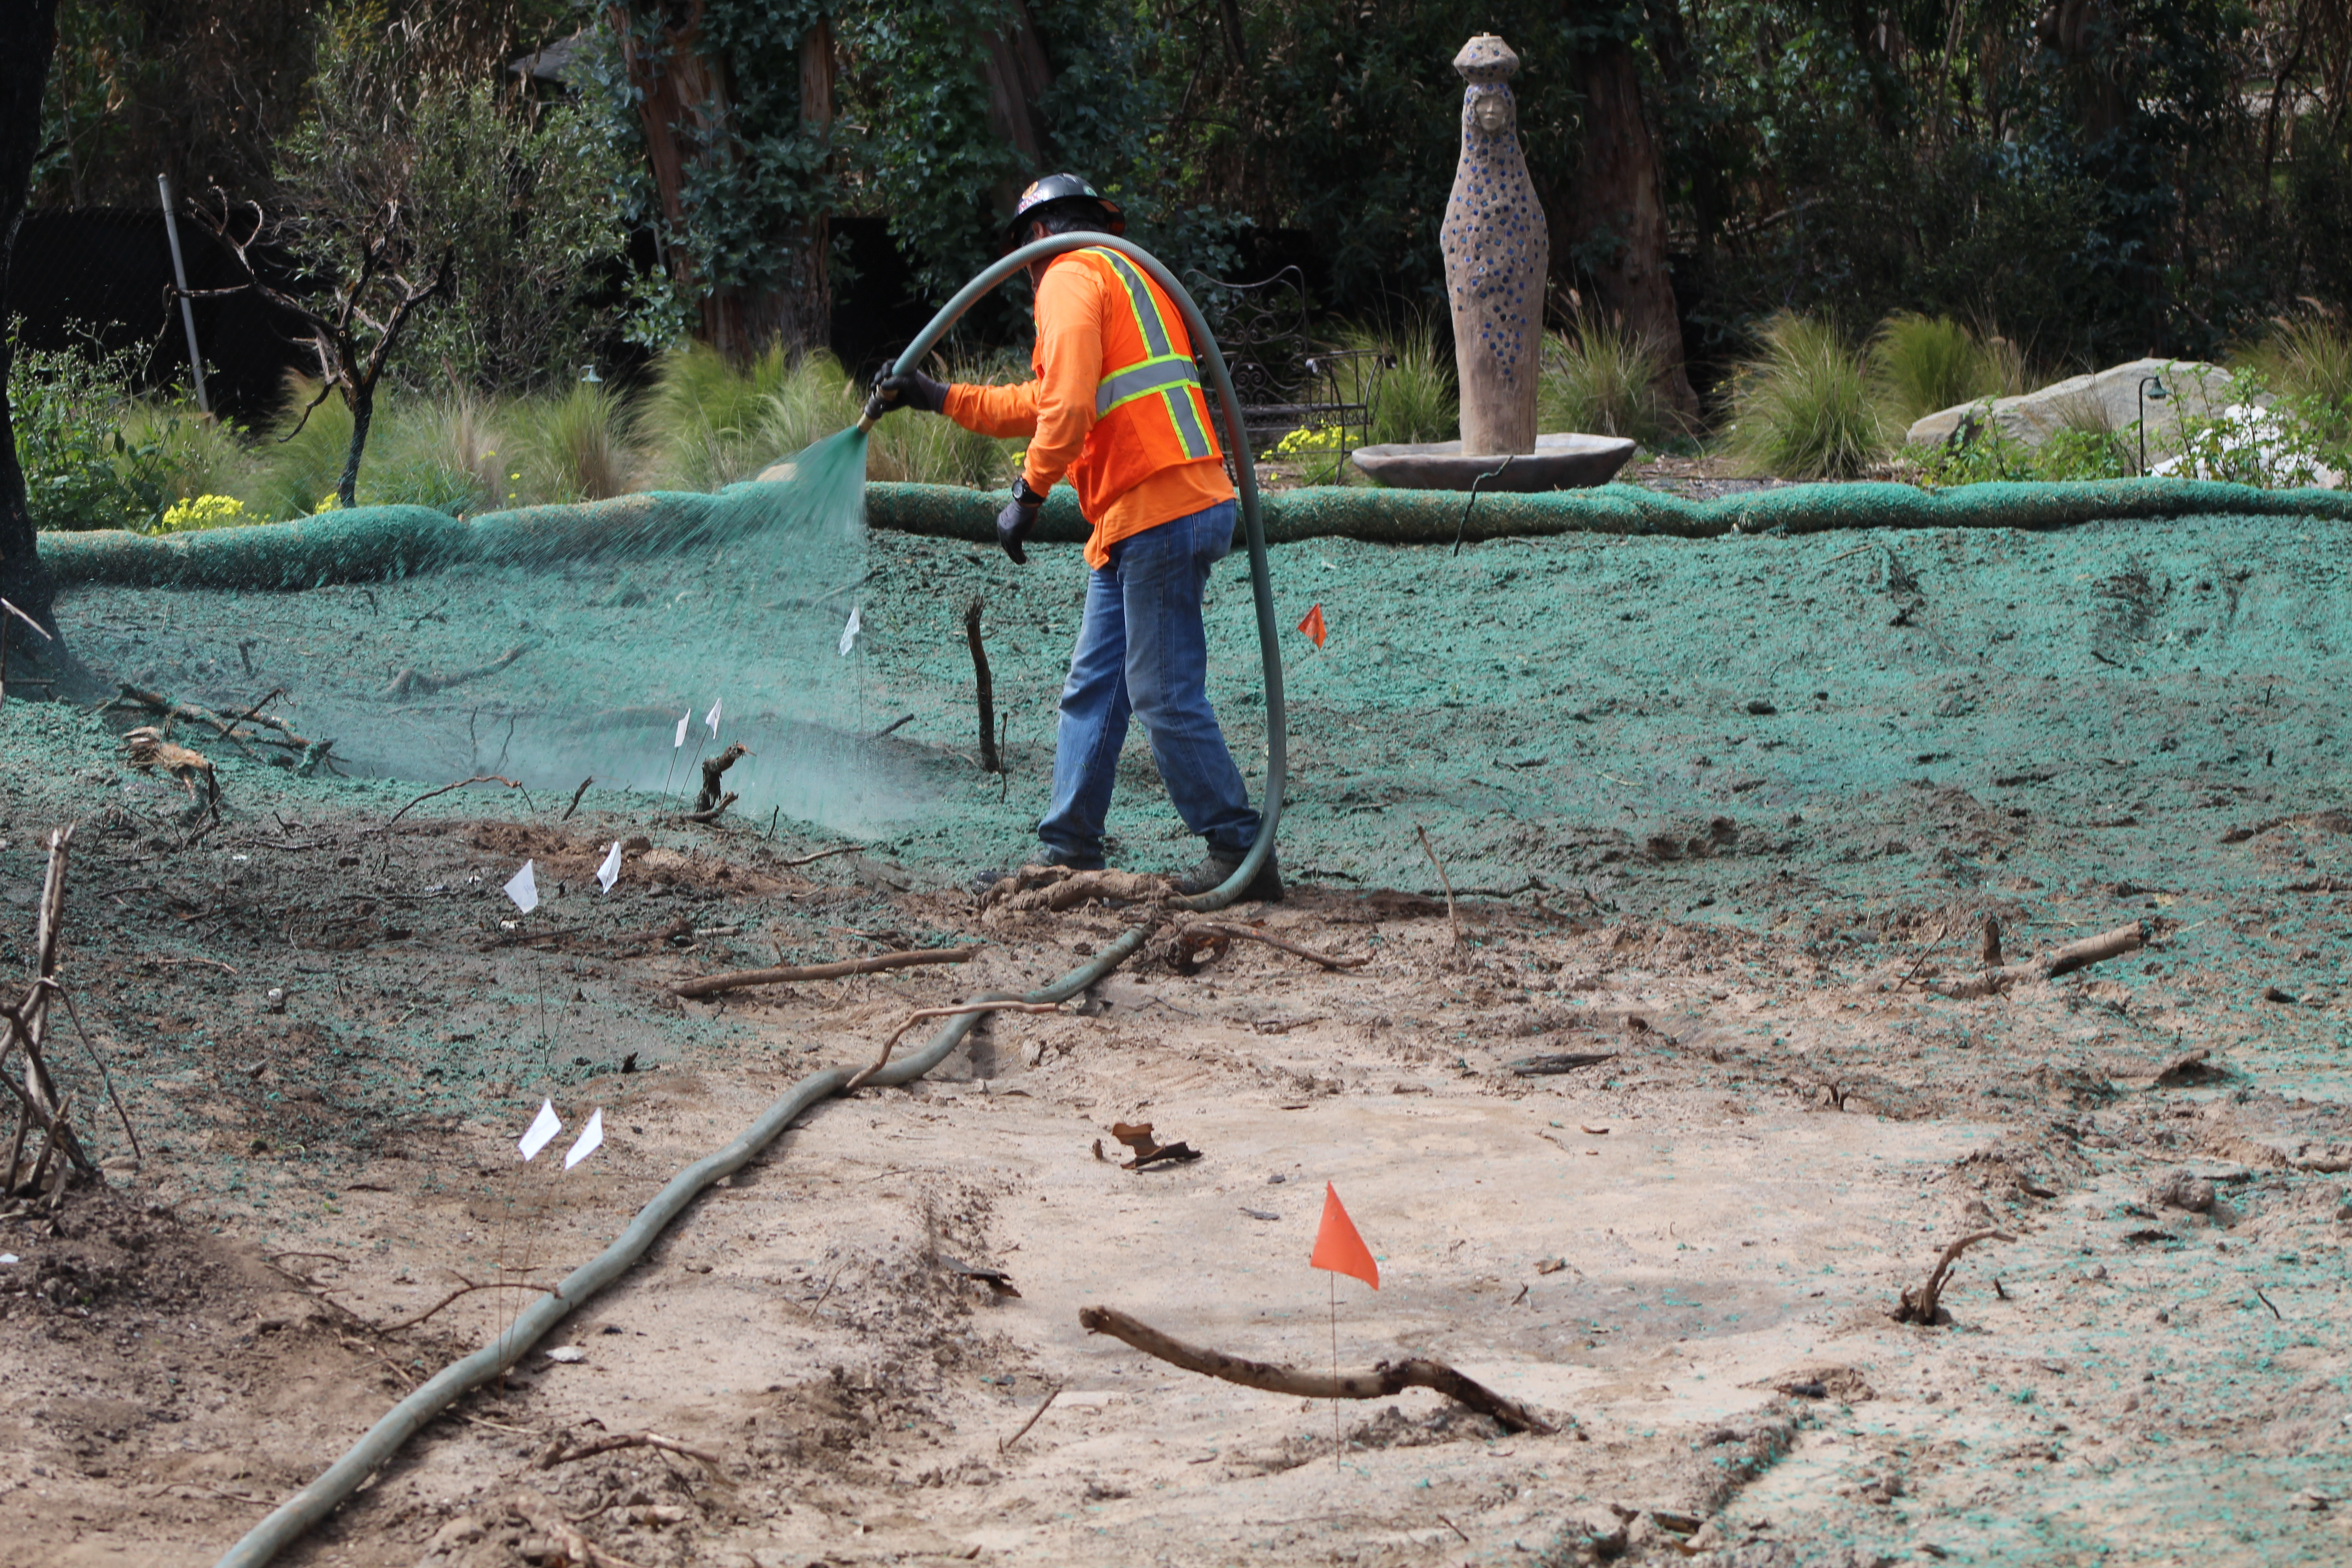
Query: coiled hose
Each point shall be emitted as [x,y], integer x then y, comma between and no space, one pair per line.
[292,1519]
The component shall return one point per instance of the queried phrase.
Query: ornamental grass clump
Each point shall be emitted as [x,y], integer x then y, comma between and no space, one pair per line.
[1921,364]
[1411,386]
[1802,408]
[1604,380]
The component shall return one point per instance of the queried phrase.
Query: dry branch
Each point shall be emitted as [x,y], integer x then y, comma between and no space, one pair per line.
[712,984]
[984,690]
[1920,1306]
[542,1515]
[710,813]
[559,1453]
[466,1290]
[1442,880]
[575,798]
[921,1015]
[822,855]
[2060,961]
[410,682]
[714,768]
[1220,928]
[146,750]
[1384,1380]
[444,789]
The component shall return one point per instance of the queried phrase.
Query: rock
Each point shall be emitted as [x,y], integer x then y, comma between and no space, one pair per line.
[2108,400]
[2182,1190]
[1598,1529]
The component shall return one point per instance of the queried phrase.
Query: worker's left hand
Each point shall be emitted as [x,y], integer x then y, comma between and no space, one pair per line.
[1019,516]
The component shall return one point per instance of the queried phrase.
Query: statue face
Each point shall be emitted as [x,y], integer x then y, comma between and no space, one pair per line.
[1490,110]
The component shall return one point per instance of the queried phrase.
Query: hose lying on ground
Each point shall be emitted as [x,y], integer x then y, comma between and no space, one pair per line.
[288,1521]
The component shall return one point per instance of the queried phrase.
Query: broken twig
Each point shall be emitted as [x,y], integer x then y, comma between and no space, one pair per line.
[984,691]
[921,1015]
[2064,960]
[1386,1379]
[461,784]
[1054,1393]
[1920,1306]
[712,984]
[1442,880]
[1221,928]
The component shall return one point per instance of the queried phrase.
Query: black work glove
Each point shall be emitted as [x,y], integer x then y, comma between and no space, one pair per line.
[907,389]
[1019,516]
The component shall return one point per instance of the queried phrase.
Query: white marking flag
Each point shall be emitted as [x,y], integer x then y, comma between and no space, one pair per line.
[543,1126]
[679,743]
[711,718]
[849,632]
[610,871]
[523,887]
[592,1137]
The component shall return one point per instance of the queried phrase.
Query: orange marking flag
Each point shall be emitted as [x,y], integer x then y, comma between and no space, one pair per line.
[1313,625]
[1337,1248]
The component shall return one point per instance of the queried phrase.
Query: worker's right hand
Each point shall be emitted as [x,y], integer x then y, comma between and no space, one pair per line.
[910,389]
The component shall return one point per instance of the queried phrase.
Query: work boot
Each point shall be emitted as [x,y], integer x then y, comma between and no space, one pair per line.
[1041,855]
[1213,871]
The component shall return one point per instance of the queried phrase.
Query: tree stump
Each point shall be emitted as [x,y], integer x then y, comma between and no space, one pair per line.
[1498,256]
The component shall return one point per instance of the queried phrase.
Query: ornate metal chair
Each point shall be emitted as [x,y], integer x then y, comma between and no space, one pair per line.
[1287,384]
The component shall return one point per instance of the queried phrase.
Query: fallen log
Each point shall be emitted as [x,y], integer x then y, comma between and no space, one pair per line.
[712,984]
[1058,888]
[2075,955]
[1386,1379]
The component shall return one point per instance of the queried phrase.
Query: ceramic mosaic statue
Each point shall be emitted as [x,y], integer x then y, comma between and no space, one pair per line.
[1496,259]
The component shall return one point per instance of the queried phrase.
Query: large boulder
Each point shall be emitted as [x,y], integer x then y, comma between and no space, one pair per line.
[2107,400]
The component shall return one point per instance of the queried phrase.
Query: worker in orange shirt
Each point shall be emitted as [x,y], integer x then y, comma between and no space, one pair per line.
[1116,407]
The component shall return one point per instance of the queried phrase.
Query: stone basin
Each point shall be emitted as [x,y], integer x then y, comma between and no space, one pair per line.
[1558,463]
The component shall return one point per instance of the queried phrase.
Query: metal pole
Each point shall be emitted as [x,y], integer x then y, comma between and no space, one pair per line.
[180,276]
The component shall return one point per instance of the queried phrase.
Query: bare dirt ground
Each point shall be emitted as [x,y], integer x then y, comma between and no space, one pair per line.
[1686,1254]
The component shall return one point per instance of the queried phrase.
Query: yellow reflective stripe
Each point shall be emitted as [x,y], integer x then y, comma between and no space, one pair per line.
[1157,340]
[1142,379]
[1188,425]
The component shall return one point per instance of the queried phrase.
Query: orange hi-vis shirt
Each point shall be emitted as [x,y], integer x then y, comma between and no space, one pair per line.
[1115,405]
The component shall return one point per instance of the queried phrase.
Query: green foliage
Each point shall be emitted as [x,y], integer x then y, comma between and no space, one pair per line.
[575,446]
[1603,379]
[1921,364]
[517,192]
[1803,409]
[92,455]
[1416,399]
[2307,359]
[1990,455]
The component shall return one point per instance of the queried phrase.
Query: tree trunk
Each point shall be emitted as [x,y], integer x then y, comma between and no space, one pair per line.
[1612,224]
[28,37]
[684,99]
[810,315]
[362,401]
[1019,76]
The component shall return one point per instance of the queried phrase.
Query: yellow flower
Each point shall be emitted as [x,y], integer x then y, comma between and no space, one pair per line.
[204,511]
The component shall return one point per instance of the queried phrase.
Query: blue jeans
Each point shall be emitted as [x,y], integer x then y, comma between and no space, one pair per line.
[1143,651]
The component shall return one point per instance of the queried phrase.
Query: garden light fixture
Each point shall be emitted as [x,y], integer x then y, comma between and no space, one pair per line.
[2151,389]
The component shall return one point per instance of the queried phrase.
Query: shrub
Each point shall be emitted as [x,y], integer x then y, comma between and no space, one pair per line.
[417,463]
[82,469]
[1604,380]
[2307,360]
[1416,398]
[700,419]
[2070,453]
[574,447]
[1919,364]
[1802,408]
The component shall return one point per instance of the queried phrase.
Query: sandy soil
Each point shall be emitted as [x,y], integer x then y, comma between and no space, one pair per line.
[1687,1255]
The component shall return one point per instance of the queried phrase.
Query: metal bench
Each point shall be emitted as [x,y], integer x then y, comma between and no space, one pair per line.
[1285,382]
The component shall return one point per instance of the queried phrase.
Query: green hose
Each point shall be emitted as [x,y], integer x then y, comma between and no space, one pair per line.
[288,1521]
